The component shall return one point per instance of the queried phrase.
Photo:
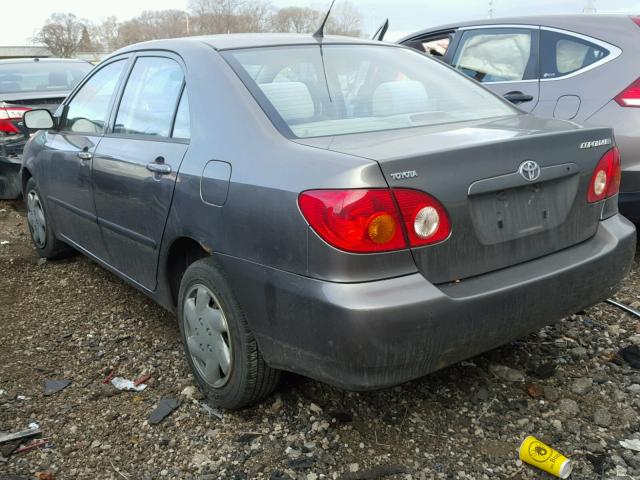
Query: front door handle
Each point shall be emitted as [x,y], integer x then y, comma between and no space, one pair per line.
[84,155]
[518,97]
[161,168]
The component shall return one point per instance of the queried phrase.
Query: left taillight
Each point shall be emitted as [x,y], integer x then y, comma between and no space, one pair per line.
[605,180]
[375,220]
[8,116]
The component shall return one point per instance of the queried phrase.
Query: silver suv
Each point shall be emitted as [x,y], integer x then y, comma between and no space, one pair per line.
[582,68]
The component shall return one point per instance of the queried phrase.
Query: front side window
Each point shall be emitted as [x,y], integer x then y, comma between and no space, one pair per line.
[342,89]
[495,55]
[88,111]
[150,98]
[562,54]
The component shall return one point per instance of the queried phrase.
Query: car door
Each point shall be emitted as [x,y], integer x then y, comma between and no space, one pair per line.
[136,163]
[504,59]
[70,151]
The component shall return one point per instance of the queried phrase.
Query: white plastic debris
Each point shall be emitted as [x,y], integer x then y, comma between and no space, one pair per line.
[124,384]
[33,426]
[4,242]
[631,444]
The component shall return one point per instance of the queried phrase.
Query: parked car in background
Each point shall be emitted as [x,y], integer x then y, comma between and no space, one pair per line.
[582,68]
[25,84]
[345,209]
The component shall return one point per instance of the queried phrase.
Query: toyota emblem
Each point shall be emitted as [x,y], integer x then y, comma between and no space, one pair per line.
[529,170]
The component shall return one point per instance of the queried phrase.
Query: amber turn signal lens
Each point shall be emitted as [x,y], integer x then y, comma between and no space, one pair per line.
[382,228]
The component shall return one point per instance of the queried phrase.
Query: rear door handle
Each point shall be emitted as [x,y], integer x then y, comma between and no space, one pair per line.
[84,155]
[161,168]
[518,97]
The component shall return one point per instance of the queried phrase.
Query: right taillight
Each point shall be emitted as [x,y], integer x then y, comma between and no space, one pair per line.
[630,96]
[605,180]
[425,219]
[375,220]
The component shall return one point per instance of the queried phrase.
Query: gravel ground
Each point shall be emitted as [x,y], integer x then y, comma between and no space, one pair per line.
[73,320]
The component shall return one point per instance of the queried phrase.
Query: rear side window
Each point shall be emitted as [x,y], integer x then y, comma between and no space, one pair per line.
[88,110]
[562,54]
[150,98]
[495,55]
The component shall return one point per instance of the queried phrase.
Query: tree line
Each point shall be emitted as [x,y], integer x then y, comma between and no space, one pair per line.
[64,34]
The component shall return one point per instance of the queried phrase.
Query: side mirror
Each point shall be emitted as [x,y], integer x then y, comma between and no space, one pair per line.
[39,119]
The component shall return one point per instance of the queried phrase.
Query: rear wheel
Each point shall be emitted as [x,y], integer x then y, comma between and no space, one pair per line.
[220,348]
[40,226]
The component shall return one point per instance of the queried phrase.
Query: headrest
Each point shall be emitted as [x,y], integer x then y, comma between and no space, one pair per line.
[396,98]
[292,100]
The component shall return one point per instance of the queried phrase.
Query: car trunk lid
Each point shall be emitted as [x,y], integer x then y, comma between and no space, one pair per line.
[499,218]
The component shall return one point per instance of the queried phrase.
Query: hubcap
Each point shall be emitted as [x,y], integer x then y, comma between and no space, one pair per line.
[207,334]
[35,217]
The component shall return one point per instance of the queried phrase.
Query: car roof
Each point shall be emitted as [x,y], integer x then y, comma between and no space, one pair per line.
[251,40]
[41,60]
[590,24]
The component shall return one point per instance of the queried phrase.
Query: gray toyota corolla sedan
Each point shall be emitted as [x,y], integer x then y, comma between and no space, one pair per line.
[348,210]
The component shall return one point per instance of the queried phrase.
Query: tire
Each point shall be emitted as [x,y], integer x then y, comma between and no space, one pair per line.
[221,350]
[41,226]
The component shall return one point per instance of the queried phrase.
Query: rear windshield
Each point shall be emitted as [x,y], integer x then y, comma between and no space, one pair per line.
[309,91]
[41,76]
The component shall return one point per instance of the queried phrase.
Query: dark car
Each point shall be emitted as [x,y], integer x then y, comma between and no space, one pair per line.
[348,210]
[573,67]
[25,84]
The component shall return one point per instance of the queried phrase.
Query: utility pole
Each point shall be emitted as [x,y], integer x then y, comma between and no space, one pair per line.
[492,10]
[590,7]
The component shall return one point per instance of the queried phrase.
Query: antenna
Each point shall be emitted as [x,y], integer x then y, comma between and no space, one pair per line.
[320,33]
[382,30]
[492,10]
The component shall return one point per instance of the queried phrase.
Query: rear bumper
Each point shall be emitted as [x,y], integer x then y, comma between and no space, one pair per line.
[377,334]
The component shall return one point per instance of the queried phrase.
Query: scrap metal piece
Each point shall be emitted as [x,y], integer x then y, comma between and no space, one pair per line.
[165,407]
[53,386]
[11,436]
[624,307]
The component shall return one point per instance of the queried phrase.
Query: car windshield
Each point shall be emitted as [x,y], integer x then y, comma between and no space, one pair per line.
[41,76]
[309,91]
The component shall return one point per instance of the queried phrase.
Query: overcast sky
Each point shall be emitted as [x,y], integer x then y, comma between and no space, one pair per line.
[22,18]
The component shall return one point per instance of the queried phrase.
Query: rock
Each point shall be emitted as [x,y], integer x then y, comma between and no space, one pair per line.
[578,352]
[544,371]
[635,388]
[602,417]
[550,393]
[568,408]
[380,471]
[506,373]
[534,390]
[315,408]
[582,386]
[189,392]
[277,404]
